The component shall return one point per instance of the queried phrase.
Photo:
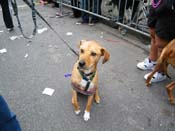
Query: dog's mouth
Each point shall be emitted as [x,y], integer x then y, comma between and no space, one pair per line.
[86,70]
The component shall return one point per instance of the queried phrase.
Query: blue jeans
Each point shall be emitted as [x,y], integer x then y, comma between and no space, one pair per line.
[85,4]
[8,121]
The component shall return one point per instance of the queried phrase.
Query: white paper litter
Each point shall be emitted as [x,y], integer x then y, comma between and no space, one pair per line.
[26,55]
[15,37]
[3,50]
[1,31]
[78,23]
[101,35]
[48,91]
[69,33]
[41,30]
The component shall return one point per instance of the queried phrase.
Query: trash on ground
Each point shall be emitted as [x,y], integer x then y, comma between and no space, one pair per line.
[78,23]
[1,31]
[26,55]
[48,91]
[3,50]
[16,37]
[67,75]
[40,31]
[101,35]
[111,40]
[69,33]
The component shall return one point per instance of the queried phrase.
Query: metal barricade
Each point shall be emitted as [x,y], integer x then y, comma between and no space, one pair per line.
[129,14]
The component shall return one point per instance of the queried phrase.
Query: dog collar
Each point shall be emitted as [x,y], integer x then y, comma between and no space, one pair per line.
[85,76]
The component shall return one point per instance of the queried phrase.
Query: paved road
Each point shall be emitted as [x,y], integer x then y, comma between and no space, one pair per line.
[126,103]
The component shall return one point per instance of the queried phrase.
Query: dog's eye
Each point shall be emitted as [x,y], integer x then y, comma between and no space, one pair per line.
[82,51]
[93,54]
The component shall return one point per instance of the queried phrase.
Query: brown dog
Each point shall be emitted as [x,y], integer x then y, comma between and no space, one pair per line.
[166,57]
[84,77]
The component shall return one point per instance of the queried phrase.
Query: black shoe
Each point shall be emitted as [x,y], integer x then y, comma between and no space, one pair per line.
[10,29]
[82,22]
[94,21]
[72,16]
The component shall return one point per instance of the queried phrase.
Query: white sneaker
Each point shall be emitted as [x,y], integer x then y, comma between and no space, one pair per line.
[157,77]
[147,64]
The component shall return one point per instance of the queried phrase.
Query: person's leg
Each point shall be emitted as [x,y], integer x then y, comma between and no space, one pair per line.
[76,13]
[153,55]
[150,62]
[6,14]
[135,8]
[84,6]
[121,7]
[158,46]
[95,6]
[8,121]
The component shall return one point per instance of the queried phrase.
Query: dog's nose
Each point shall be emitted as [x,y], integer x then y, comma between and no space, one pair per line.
[81,63]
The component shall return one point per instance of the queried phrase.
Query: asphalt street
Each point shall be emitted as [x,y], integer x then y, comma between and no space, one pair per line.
[30,66]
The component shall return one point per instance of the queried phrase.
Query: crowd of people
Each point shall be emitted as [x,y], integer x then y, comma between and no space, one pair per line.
[161,23]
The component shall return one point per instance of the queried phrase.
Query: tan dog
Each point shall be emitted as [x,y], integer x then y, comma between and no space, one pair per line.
[167,57]
[84,77]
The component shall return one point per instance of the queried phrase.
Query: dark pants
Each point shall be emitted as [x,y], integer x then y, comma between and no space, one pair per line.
[121,5]
[76,13]
[6,13]
[8,121]
[85,4]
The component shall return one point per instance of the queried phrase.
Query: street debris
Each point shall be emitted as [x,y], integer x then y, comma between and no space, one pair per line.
[69,33]
[16,37]
[3,51]
[48,91]
[26,55]
[78,23]
[101,35]
[110,40]
[40,31]
[1,31]
[67,75]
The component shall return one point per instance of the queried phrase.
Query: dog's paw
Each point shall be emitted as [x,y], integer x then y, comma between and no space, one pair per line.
[77,112]
[97,100]
[171,101]
[86,115]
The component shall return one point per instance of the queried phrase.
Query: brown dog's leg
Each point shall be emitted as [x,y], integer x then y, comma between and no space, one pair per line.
[170,88]
[88,108]
[148,81]
[97,97]
[157,68]
[75,102]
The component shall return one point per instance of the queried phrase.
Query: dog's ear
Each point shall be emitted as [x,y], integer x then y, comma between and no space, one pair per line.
[105,54]
[81,42]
